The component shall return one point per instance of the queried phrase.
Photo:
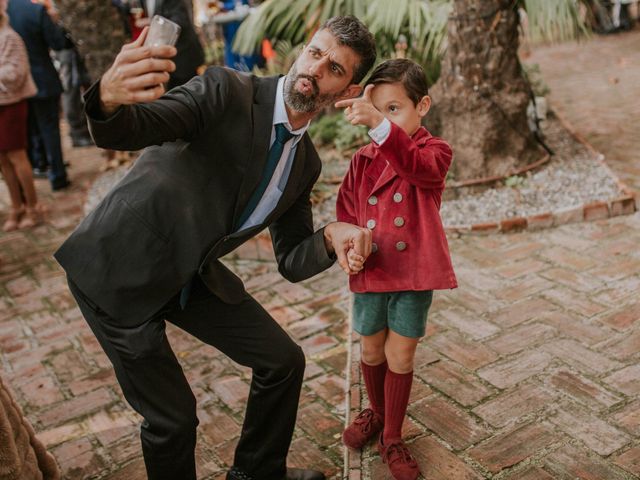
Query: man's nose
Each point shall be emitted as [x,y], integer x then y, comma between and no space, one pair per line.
[316,68]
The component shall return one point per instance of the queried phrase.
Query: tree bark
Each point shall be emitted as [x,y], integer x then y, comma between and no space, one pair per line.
[481,98]
[97,30]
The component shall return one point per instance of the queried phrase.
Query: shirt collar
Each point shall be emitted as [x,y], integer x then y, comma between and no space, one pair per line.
[280,113]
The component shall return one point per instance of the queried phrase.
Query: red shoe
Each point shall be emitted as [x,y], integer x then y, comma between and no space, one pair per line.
[366,425]
[398,458]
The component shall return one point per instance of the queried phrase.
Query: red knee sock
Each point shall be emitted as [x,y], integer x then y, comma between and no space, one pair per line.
[374,378]
[397,388]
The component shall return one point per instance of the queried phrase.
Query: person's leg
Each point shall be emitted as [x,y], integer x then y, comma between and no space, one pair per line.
[13,186]
[22,169]
[400,352]
[154,385]
[35,150]
[369,319]
[48,117]
[247,334]
[374,368]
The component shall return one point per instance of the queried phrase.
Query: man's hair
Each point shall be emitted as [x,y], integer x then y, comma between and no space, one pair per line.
[352,33]
[403,71]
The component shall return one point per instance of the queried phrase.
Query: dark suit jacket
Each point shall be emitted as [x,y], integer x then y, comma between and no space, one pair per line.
[190,53]
[39,34]
[171,216]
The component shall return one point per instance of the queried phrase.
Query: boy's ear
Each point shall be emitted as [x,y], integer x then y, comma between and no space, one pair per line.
[352,91]
[424,105]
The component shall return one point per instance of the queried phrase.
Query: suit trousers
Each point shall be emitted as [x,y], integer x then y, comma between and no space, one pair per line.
[154,384]
[44,138]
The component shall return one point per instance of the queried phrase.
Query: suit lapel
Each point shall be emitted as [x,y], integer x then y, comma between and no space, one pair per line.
[262,123]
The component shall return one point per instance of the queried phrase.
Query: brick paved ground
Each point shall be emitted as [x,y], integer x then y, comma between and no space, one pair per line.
[529,370]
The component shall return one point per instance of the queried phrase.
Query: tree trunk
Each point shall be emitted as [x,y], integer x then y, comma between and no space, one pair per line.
[481,98]
[97,29]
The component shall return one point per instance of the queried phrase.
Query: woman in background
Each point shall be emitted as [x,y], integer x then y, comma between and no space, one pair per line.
[16,85]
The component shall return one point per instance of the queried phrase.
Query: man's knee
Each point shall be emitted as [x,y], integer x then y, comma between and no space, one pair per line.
[290,363]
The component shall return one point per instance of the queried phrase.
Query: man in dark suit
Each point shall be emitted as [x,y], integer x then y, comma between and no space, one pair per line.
[40,34]
[190,53]
[231,157]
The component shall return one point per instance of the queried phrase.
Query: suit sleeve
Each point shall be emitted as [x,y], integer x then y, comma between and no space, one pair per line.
[182,113]
[345,204]
[424,167]
[54,35]
[300,252]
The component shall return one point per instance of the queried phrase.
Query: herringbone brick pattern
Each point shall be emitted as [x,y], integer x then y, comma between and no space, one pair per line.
[532,365]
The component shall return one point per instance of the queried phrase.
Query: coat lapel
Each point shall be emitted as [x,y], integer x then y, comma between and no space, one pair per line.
[262,123]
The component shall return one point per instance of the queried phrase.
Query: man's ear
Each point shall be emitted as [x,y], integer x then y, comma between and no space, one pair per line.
[424,105]
[351,91]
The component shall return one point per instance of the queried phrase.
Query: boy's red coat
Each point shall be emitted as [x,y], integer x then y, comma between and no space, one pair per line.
[415,168]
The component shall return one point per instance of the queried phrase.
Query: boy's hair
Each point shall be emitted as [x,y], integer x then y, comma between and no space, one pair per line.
[404,71]
[352,33]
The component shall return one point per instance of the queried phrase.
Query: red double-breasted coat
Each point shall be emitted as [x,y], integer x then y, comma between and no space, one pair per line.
[395,189]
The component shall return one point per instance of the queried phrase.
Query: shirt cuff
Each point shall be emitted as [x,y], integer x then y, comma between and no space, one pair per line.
[380,133]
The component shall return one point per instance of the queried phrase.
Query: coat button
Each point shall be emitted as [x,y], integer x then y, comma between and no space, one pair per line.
[398,221]
[373,200]
[397,197]
[371,224]
[400,246]
[374,247]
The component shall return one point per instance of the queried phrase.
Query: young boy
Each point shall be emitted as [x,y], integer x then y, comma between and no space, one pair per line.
[394,187]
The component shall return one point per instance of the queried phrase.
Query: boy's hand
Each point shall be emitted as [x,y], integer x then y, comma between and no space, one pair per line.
[360,111]
[356,262]
[340,237]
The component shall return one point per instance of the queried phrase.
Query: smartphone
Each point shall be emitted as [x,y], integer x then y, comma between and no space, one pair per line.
[162,31]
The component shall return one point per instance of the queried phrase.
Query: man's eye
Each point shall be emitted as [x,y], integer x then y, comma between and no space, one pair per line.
[335,69]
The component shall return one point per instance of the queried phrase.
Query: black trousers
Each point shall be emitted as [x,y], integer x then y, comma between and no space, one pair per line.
[44,138]
[155,386]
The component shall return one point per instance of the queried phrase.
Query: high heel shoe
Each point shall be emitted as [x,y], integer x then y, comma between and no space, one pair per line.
[11,223]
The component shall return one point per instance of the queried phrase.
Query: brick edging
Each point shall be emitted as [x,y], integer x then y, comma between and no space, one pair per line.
[626,204]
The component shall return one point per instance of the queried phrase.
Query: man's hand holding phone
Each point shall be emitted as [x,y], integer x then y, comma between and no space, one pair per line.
[137,74]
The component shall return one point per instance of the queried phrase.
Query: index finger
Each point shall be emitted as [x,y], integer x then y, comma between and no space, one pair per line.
[345,103]
[141,53]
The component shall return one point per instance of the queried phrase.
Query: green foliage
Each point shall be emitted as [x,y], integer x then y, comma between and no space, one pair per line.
[335,129]
[422,22]
[554,20]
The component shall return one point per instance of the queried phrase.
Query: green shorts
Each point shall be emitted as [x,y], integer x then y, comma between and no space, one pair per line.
[403,312]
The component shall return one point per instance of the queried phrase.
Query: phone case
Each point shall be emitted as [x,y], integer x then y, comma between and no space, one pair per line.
[162,32]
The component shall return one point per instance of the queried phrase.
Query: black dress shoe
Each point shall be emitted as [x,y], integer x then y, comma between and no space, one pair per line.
[292,474]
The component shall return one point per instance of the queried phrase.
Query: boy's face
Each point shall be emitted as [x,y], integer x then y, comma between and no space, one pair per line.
[322,74]
[392,101]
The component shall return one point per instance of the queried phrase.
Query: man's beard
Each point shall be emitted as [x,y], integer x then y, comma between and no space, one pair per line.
[300,102]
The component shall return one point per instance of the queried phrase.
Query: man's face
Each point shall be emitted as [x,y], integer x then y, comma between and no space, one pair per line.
[321,75]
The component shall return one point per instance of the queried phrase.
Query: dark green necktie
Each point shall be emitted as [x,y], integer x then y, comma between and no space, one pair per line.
[275,152]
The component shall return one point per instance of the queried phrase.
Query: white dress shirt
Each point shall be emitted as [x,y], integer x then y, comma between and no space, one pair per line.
[276,186]
[380,133]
